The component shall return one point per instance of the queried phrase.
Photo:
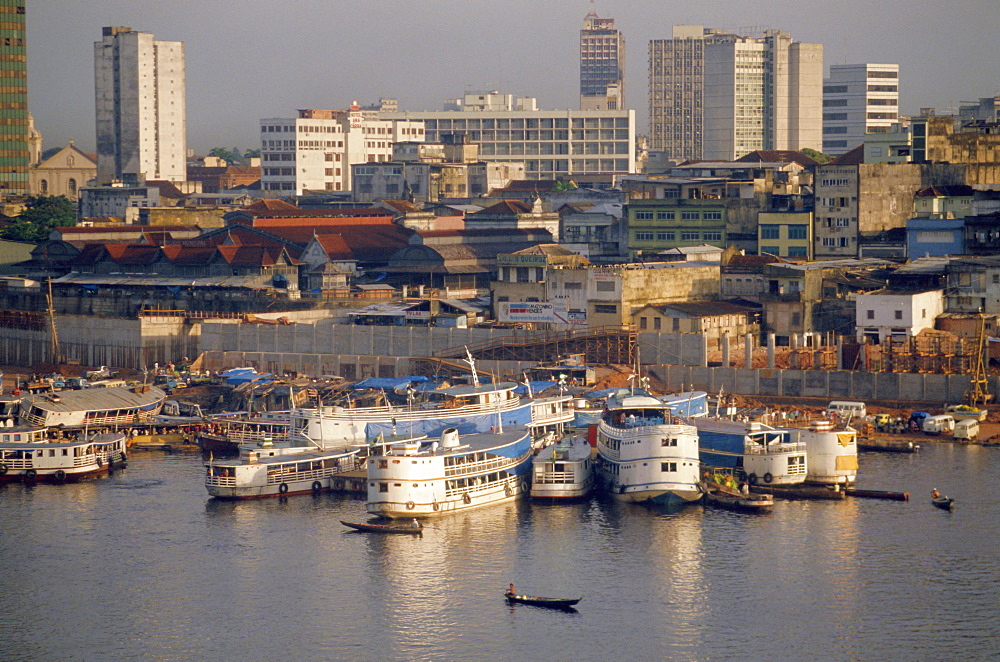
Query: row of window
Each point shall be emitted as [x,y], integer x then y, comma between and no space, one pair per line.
[684,216]
[528,123]
[774,231]
[672,236]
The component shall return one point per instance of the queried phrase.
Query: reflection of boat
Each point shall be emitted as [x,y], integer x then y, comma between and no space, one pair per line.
[369,527]
[644,455]
[266,470]
[563,471]
[724,497]
[550,603]
[27,454]
[764,453]
[422,479]
[943,502]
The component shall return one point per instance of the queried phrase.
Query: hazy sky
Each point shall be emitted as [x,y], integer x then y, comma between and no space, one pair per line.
[251,59]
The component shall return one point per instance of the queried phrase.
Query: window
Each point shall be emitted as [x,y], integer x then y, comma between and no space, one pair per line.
[677,324]
[796,319]
[898,314]
[664,215]
[642,322]
[383,487]
[796,232]
[605,286]
[644,236]
[690,236]
[573,286]
[668,441]
[711,216]
[610,308]
[712,236]
[668,467]
[690,215]
[830,103]
[834,89]
[656,323]
[770,232]
[644,216]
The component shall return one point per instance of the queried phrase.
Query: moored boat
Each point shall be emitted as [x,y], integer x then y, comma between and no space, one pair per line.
[765,454]
[92,407]
[459,472]
[27,454]
[645,455]
[268,470]
[832,449]
[414,528]
[563,471]
[724,497]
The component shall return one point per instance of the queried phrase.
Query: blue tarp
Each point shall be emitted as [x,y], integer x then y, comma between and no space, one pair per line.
[536,387]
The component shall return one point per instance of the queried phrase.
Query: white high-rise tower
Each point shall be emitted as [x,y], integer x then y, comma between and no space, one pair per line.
[140,107]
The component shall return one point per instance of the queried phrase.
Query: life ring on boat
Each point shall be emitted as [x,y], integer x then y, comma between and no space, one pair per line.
[338,484]
[3,469]
[60,475]
[317,487]
[506,489]
[30,474]
[410,505]
[283,488]
[752,479]
[436,506]
[768,477]
[357,485]
[466,498]
[524,486]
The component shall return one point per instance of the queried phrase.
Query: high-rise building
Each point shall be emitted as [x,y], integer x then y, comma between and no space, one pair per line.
[139,93]
[14,148]
[315,151]
[718,95]
[858,100]
[602,65]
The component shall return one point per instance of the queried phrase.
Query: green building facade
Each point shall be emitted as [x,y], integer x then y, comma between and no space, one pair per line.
[659,224]
[14,154]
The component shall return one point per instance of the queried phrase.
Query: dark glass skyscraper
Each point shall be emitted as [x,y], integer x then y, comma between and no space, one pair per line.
[14,158]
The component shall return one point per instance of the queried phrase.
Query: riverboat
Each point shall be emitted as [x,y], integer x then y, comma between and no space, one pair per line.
[563,471]
[645,454]
[459,472]
[724,497]
[413,528]
[468,409]
[92,407]
[765,454]
[225,435]
[27,454]
[832,449]
[687,404]
[565,604]
[266,470]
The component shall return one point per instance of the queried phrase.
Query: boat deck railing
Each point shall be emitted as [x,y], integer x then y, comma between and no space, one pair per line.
[482,466]
[774,449]
[555,478]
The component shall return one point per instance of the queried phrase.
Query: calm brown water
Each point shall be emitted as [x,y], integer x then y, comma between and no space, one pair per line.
[144,566]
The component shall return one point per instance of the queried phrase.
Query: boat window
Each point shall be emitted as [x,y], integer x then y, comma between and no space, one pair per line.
[383,487]
[560,467]
[383,464]
[397,484]
[668,466]
[669,442]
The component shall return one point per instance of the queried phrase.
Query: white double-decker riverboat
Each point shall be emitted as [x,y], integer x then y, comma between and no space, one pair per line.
[265,469]
[645,454]
[459,472]
[27,454]
[563,471]
[832,449]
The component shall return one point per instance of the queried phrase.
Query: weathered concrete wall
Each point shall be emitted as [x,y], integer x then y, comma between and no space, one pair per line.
[835,385]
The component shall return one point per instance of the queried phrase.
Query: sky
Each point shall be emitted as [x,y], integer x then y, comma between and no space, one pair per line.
[253,59]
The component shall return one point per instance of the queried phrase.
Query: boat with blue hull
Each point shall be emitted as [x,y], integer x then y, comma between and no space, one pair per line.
[646,454]
[765,454]
[457,472]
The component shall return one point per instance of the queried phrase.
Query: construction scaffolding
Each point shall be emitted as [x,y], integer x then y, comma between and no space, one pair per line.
[599,345]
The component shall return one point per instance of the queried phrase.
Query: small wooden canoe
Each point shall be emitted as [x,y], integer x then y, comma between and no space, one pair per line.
[943,502]
[759,503]
[549,603]
[413,529]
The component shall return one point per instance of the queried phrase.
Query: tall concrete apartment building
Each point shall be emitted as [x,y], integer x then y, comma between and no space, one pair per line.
[589,146]
[602,64]
[716,95]
[140,104]
[315,151]
[14,148]
[858,100]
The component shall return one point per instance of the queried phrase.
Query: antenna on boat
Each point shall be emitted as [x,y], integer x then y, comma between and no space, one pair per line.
[472,366]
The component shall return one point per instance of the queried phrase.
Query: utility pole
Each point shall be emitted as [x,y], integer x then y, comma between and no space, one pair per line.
[53,334]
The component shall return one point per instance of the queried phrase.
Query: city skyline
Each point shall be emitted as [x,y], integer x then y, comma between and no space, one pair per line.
[247,65]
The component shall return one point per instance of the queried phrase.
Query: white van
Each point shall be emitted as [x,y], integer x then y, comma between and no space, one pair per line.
[844,409]
[967,428]
[939,424]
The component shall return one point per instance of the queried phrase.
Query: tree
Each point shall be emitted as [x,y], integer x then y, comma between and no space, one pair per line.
[40,215]
[251,154]
[818,157]
[563,185]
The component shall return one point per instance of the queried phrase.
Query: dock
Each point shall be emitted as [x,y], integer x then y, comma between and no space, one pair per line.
[814,492]
[877,494]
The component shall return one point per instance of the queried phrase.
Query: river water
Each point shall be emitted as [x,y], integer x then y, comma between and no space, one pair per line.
[143,565]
